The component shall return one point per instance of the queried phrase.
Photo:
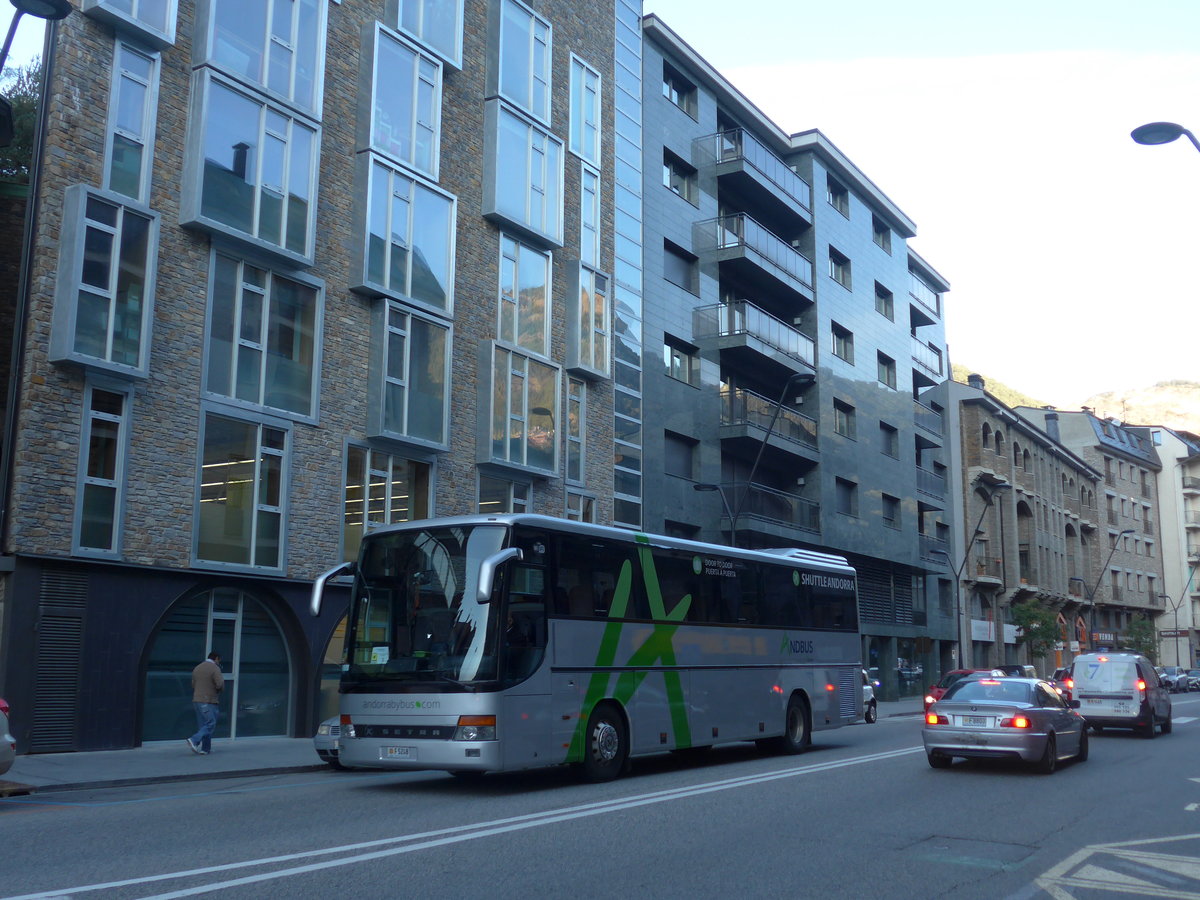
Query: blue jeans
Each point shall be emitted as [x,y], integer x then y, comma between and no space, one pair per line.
[206,724]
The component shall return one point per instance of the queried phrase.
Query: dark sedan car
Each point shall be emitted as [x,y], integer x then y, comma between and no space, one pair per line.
[1004,718]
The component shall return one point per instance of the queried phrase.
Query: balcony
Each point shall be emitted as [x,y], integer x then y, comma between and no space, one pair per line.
[933,547]
[747,168]
[743,330]
[746,417]
[1191,484]
[1193,552]
[928,418]
[924,294]
[989,569]
[930,482]
[760,258]
[927,356]
[775,514]
[1191,518]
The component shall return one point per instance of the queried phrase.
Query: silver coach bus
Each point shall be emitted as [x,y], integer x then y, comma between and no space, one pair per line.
[495,643]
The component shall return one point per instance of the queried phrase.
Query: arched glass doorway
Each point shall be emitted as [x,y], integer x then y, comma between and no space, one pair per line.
[254,659]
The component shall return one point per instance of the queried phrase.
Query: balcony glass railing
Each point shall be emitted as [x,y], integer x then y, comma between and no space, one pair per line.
[924,294]
[1191,483]
[741,144]
[928,418]
[742,231]
[926,355]
[932,547]
[742,407]
[931,482]
[1191,517]
[771,505]
[743,317]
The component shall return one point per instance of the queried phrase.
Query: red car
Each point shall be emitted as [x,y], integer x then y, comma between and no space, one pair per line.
[950,678]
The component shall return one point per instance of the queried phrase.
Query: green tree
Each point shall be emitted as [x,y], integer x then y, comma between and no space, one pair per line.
[1037,628]
[1142,637]
[22,87]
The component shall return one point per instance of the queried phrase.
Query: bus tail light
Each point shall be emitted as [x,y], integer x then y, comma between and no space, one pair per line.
[475,728]
[831,688]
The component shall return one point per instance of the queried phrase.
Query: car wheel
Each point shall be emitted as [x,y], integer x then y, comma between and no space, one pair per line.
[1049,761]
[1166,726]
[606,744]
[1082,755]
[871,713]
[1151,729]
[939,760]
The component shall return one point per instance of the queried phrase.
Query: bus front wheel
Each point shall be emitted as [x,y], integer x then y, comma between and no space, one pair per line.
[607,746]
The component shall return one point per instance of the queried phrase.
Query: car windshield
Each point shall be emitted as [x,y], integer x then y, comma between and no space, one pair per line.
[991,689]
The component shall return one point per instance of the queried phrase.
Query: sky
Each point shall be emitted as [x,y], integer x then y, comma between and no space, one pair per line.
[1002,130]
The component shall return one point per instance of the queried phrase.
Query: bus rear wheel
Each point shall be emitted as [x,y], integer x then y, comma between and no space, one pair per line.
[606,745]
[797,726]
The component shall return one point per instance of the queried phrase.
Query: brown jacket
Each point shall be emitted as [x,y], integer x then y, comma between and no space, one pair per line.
[207,682]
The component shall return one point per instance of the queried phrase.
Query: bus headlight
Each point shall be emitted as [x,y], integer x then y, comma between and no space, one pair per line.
[475,728]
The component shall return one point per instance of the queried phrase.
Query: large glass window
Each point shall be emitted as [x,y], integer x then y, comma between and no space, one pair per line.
[585,111]
[524,183]
[381,489]
[257,170]
[525,59]
[262,337]
[411,354]
[406,91]
[499,495]
[152,21]
[591,324]
[524,411]
[131,121]
[101,471]
[436,23]
[589,216]
[576,428]
[241,505]
[524,296]
[409,250]
[274,44]
[105,286]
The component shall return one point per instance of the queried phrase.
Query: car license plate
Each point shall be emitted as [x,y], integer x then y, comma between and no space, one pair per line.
[399,753]
[977,721]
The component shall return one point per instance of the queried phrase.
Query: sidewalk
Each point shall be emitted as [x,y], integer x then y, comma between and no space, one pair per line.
[173,761]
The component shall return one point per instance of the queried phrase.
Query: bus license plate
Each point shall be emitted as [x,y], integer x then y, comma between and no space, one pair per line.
[399,753]
[977,721]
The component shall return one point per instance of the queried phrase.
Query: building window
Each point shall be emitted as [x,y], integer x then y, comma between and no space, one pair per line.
[580,507]
[131,121]
[105,288]
[408,243]
[381,489]
[523,180]
[576,428]
[589,325]
[885,303]
[585,111]
[524,411]
[241,493]
[887,370]
[679,177]
[277,45]
[254,172]
[104,435]
[524,296]
[682,361]
[438,24]
[589,216]
[679,267]
[891,511]
[679,90]
[889,440]
[679,455]
[881,234]
[152,21]
[262,337]
[843,419]
[406,102]
[498,495]
[525,59]
[846,493]
[839,268]
[409,361]
[838,197]
[843,342]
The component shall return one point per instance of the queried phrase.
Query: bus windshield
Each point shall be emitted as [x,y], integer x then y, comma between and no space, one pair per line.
[415,616]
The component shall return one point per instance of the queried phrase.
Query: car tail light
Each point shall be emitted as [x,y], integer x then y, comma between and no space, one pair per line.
[1141,686]
[935,719]
[1016,722]
[1070,684]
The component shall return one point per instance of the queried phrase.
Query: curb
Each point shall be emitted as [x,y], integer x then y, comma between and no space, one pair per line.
[14,788]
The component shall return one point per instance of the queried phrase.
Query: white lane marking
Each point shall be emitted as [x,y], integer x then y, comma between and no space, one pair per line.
[1183,720]
[459,833]
[1192,807]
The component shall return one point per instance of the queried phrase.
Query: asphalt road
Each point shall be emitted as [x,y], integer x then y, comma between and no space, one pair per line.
[862,815]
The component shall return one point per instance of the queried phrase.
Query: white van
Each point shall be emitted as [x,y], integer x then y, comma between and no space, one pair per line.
[1121,690]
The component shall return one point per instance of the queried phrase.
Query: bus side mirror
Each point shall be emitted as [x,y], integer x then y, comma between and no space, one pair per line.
[314,603]
[487,572]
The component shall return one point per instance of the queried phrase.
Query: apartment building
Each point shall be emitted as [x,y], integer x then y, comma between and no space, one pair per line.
[792,343]
[1030,529]
[1128,584]
[298,269]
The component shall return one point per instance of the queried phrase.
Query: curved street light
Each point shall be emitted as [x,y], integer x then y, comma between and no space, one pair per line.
[51,10]
[1162,133]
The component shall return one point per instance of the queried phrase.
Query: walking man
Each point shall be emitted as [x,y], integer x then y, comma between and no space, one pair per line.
[207,683]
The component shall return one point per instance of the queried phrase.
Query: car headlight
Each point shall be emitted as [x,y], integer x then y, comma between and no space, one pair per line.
[323,728]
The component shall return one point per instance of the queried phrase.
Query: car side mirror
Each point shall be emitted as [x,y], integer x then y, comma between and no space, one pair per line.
[1074,704]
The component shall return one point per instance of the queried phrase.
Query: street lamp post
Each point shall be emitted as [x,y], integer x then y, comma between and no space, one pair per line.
[708,486]
[1175,610]
[1162,133]
[1091,594]
[40,9]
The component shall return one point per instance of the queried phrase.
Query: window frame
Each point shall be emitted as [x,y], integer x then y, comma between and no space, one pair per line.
[881,234]
[842,345]
[889,439]
[396,14]
[118,483]
[382,330]
[497,426]
[510,311]
[540,86]
[681,361]
[589,343]
[844,419]
[886,299]
[678,90]
[837,195]
[590,206]
[839,268]
[580,124]
[579,506]
[513,488]
[373,107]
[681,257]
[680,177]
[131,24]
[546,200]
[575,436]
[848,488]
[424,498]
[886,369]
[149,118]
